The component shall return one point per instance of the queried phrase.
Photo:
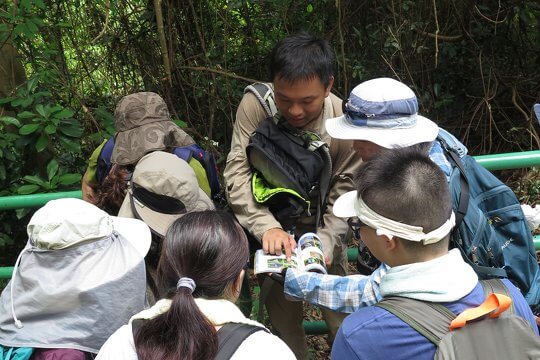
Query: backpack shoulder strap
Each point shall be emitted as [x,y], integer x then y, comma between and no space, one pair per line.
[231,336]
[497,286]
[136,325]
[104,160]
[454,158]
[431,320]
[264,92]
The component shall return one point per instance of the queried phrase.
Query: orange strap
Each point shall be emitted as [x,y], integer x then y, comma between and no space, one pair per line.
[494,305]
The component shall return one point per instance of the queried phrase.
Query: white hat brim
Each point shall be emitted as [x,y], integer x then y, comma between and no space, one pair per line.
[136,232]
[425,130]
[344,205]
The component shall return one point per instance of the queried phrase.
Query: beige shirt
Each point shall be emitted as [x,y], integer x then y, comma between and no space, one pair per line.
[257,218]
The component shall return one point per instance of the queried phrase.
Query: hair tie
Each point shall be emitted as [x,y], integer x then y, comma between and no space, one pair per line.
[187,283]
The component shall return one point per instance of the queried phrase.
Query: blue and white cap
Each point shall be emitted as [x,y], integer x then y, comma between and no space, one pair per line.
[383,111]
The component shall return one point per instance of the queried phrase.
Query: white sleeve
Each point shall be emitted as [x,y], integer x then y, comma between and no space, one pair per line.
[120,346]
[263,346]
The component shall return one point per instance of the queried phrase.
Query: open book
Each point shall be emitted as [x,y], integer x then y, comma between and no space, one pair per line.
[308,256]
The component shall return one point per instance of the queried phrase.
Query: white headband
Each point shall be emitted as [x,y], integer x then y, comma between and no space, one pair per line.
[389,227]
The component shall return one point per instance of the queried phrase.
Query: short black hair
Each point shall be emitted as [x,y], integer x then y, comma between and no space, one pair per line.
[405,185]
[302,56]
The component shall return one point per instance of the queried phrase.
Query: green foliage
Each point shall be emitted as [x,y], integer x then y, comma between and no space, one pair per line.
[474,66]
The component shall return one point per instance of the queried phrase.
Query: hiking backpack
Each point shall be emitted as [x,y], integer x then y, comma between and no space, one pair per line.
[291,167]
[186,153]
[491,230]
[485,332]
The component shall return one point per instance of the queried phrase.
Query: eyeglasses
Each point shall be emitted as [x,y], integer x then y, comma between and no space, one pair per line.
[354,225]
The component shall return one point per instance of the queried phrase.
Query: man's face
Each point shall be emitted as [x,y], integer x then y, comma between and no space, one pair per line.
[302,101]
[366,149]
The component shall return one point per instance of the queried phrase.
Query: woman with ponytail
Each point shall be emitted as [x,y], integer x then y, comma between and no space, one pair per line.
[199,276]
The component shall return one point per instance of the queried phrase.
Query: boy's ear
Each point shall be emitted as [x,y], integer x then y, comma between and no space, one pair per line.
[391,243]
[329,87]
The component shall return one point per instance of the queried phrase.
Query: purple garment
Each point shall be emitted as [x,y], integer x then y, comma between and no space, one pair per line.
[58,354]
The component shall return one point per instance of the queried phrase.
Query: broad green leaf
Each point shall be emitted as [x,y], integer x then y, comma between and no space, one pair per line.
[70,129]
[10,120]
[40,4]
[41,110]
[28,129]
[50,129]
[52,168]
[27,189]
[42,142]
[19,29]
[309,8]
[31,83]
[33,179]
[26,115]
[64,113]
[6,100]
[69,179]
[69,144]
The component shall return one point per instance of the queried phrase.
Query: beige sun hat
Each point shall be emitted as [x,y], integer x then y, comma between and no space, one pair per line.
[162,189]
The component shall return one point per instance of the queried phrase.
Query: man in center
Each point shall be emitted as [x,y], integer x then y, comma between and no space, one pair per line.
[301,69]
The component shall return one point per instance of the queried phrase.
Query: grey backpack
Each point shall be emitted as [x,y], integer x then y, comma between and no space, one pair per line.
[502,335]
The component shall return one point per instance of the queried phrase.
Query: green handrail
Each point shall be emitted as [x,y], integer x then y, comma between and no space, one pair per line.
[35,200]
[509,160]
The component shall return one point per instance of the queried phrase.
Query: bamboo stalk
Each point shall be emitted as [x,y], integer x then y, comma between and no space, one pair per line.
[163,41]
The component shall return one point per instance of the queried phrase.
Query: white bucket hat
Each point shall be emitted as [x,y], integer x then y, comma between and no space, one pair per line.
[64,223]
[162,189]
[383,111]
[80,277]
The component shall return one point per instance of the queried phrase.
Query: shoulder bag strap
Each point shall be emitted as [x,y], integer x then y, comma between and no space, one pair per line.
[496,286]
[430,320]
[231,336]
[264,92]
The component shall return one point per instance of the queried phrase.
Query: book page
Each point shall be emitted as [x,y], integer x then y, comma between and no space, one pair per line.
[274,263]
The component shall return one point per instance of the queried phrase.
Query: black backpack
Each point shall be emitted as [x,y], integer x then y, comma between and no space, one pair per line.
[291,168]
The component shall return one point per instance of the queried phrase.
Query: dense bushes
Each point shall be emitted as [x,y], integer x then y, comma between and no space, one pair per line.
[473,64]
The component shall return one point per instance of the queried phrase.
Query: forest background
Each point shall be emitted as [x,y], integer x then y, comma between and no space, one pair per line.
[65,63]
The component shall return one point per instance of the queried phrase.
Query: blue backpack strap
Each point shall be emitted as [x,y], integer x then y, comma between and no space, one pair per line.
[104,160]
[452,142]
[207,161]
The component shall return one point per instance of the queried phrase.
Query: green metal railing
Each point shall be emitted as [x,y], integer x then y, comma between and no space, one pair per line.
[490,162]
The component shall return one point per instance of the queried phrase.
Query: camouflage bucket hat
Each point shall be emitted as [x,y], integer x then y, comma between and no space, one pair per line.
[143,125]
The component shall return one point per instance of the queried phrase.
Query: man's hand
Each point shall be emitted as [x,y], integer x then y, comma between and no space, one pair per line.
[274,240]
